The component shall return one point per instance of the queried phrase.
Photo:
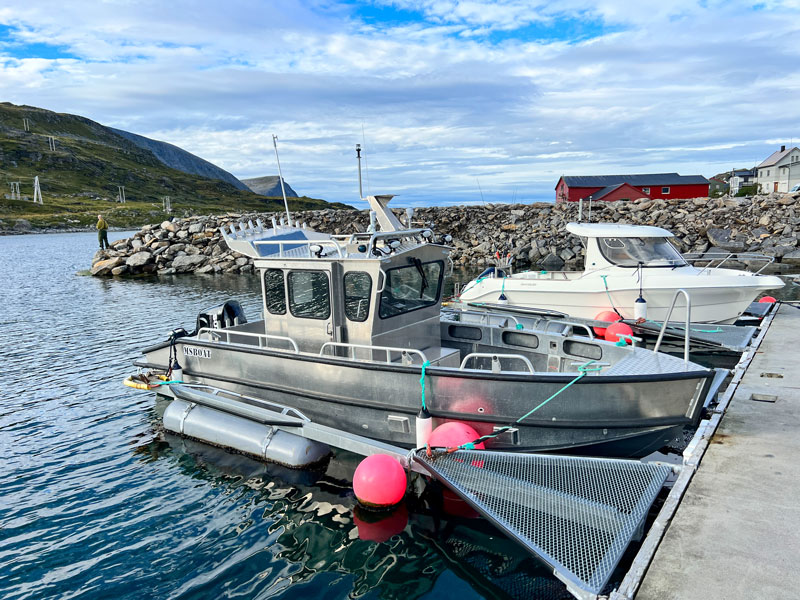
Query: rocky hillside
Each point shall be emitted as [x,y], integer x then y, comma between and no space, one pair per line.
[81,176]
[269,186]
[533,233]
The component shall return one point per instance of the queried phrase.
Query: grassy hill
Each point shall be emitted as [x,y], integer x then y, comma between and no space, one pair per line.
[80,178]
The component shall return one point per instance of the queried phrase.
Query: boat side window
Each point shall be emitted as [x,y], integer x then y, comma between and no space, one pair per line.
[275,291]
[309,294]
[412,287]
[357,288]
[650,252]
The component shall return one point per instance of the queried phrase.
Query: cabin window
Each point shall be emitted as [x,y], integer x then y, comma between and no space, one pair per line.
[646,190]
[412,287]
[309,294]
[357,288]
[275,292]
[630,252]
[665,190]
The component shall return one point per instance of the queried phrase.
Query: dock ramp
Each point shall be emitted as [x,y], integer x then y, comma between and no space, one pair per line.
[576,514]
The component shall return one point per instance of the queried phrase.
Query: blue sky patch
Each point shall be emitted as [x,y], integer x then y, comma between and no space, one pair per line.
[10,45]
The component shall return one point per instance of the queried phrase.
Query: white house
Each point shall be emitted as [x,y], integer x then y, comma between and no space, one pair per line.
[780,172]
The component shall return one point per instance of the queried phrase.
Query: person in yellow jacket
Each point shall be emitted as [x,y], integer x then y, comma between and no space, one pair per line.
[102,232]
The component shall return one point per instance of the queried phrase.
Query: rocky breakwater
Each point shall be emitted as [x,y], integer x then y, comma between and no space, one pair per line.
[534,234]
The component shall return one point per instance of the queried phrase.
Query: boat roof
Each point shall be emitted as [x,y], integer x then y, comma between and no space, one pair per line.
[616,230]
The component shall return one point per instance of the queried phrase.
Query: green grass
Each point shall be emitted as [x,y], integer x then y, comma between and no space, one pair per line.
[79,179]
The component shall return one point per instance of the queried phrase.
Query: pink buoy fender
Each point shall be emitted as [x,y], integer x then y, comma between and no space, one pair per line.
[606,315]
[768,300]
[452,434]
[379,481]
[615,329]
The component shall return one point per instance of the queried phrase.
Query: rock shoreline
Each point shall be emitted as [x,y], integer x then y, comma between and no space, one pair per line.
[534,233]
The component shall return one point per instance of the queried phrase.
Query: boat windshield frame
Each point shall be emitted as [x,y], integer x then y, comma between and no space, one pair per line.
[650,252]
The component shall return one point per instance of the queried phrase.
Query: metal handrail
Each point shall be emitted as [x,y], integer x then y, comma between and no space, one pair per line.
[572,324]
[693,257]
[307,243]
[688,321]
[486,316]
[496,360]
[404,352]
[260,336]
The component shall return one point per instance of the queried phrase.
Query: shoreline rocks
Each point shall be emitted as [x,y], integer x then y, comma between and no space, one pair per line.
[534,234]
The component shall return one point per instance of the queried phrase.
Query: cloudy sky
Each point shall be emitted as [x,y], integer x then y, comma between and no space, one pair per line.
[452,100]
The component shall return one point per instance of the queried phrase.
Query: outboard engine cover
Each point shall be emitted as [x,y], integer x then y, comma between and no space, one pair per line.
[222,316]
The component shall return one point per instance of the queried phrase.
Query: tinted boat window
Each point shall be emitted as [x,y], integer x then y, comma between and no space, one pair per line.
[309,294]
[651,252]
[410,288]
[275,291]
[357,288]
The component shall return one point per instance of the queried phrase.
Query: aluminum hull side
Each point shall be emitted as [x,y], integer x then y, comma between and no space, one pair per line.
[596,412]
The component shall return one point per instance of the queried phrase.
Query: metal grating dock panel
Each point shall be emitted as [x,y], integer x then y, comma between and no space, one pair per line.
[577,514]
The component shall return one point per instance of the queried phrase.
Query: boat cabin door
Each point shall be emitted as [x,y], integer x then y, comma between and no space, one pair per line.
[301,303]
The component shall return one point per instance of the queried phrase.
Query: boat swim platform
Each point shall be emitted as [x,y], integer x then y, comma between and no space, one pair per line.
[731,524]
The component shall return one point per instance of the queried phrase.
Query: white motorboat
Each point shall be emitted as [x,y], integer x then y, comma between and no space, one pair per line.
[624,263]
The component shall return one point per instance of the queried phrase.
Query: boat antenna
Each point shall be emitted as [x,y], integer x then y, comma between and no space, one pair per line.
[358,155]
[280,176]
[478,181]
[366,162]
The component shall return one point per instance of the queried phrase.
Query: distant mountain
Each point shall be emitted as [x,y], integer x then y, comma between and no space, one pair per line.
[181,160]
[270,186]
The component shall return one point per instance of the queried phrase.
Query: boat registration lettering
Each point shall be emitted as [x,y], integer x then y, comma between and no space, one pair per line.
[196,352]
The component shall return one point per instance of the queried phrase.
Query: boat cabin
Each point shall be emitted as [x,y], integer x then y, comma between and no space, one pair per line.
[626,246]
[344,294]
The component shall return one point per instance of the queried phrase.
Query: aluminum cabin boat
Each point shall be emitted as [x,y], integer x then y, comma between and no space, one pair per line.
[623,262]
[353,326]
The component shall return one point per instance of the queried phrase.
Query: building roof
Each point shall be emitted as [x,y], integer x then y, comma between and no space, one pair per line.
[651,179]
[600,194]
[775,157]
[616,230]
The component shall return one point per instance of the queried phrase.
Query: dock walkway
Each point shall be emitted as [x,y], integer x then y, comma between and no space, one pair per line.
[736,533]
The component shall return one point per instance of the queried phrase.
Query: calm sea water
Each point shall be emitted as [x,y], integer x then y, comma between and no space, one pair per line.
[96,502]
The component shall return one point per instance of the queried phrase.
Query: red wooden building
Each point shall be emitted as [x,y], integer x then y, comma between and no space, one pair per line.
[630,187]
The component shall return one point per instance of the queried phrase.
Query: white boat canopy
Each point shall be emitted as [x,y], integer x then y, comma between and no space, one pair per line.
[616,230]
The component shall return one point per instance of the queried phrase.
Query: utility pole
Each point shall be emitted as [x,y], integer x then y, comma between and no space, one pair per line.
[121,194]
[51,142]
[26,124]
[37,191]
[15,195]
[167,204]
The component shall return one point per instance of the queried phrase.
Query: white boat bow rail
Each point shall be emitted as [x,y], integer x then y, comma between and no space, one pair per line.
[723,257]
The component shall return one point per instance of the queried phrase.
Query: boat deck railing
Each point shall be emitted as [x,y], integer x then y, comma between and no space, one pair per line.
[259,339]
[405,354]
[496,358]
[716,260]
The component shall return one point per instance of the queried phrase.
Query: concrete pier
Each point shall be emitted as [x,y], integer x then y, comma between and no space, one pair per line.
[736,532]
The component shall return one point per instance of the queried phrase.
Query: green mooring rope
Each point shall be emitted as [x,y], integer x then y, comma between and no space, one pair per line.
[425,365]
[582,371]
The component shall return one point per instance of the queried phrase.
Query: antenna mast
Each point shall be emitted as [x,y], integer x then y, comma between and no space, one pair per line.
[358,154]
[280,176]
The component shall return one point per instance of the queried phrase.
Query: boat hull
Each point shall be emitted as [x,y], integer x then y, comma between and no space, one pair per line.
[719,298]
[608,415]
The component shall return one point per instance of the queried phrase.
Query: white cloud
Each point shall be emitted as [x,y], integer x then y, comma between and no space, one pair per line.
[674,87]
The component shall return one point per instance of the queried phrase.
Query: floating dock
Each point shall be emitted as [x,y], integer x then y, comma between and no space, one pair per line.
[730,528]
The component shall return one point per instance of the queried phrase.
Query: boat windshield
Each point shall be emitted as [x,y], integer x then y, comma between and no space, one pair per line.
[410,288]
[649,252]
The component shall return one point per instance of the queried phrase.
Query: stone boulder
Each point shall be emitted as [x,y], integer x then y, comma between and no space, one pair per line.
[104,267]
[187,262]
[721,238]
[139,259]
[169,226]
